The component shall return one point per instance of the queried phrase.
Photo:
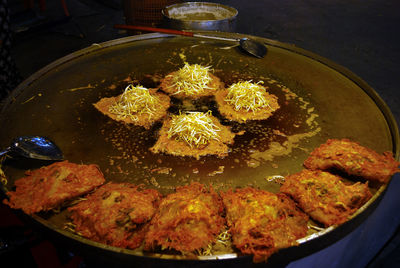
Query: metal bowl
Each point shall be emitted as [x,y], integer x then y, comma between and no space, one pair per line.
[201,16]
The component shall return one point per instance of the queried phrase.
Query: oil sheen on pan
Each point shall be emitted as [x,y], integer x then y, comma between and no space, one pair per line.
[258,143]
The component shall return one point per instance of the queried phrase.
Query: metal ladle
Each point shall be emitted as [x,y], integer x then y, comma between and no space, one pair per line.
[35,147]
[252,47]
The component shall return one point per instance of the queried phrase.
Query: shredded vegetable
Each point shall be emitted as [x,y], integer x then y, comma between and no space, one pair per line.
[134,101]
[195,128]
[191,79]
[247,95]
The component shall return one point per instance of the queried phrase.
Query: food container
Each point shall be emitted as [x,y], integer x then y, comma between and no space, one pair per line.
[145,12]
[200,16]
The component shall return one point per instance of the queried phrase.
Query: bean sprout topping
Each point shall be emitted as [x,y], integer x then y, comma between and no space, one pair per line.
[134,101]
[247,95]
[195,128]
[191,79]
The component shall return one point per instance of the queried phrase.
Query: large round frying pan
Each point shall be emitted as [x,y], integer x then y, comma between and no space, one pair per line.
[318,99]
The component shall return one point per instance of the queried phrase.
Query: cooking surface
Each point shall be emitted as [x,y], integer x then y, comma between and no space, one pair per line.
[363,53]
[58,103]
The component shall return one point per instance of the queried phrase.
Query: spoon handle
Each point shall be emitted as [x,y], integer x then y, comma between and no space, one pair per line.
[216,37]
[152,29]
[171,31]
[4,152]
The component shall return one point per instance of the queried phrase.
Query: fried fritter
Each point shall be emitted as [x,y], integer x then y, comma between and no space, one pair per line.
[116,214]
[49,187]
[353,159]
[192,81]
[187,220]
[261,222]
[138,108]
[324,196]
[179,144]
[245,101]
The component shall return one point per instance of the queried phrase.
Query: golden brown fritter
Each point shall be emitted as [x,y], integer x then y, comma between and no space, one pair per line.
[241,104]
[261,222]
[324,196]
[137,116]
[353,159]
[48,187]
[116,214]
[187,220]
[192,81]
[181,146]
